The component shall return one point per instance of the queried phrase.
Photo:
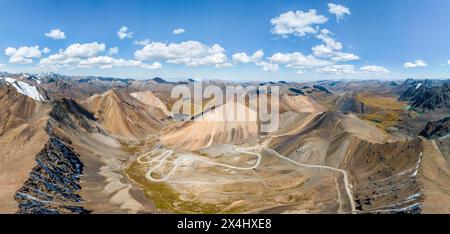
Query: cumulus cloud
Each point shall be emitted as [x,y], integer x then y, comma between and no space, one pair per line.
[189,53]
[78,50]
[20,60]
[268,67]
[322,51]
[448,62]
[298,23]
[374,69]
[298,60]
[113,50]
[23,55]
[61,61]
[109,62]
[223,65]
[46,50]
[327,37]
[331,48]
[244,58]
[178,31]
[417,63]
[337,69]
[344,57]
[88,55]
[339,10]
[143,42]
[56,34]
[123,33]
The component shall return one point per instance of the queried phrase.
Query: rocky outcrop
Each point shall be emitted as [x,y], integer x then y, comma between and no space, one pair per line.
[427,94]
[53,183]
[436,129]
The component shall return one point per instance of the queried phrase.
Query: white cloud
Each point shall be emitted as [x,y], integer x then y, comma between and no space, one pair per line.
[326,36]
[241,57]
[298,60]
[268,67]
[46,50]
[143,42]
[109,62]
[322,51]
[374,69]
[78,50]
[20,60]
[298,23]
[86,55]
[344,57]
[78,55]
[244,58]
[300,72]
[123,33]
[23,55]
[113,50]
[257,55]
[152,66]
[331,48]
[189,53]
[417,63]
[338,10]
[223,65]
[59,60]
[56,34]
[178,31]
[337,69]
[448,62]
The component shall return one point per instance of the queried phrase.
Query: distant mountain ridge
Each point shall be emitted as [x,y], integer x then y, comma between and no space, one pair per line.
[427,94]
[436,129]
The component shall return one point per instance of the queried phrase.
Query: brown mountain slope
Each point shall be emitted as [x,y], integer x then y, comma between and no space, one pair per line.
[315,137]
[215,127]
[211,130]
[22,125]
[123,115]
[299,104]
[386,177]
[102,188]
[148,98]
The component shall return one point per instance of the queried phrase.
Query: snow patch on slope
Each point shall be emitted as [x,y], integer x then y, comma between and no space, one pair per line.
[25,89]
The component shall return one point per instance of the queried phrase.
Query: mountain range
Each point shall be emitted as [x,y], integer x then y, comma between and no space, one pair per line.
[73,144]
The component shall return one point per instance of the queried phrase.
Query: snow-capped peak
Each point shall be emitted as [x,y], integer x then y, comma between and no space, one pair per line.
[418,85]
[25,89]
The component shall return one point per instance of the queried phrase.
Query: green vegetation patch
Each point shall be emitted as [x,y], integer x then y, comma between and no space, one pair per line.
[384,112]
[165,197]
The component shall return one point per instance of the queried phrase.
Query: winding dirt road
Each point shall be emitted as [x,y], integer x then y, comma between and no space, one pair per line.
[162,158]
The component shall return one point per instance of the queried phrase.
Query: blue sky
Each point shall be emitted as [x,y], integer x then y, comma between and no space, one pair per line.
[295,40]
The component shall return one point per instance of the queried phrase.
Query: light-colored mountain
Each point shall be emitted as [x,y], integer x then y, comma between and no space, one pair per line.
[217,126]
[123,115]
[299,103]
[148,98]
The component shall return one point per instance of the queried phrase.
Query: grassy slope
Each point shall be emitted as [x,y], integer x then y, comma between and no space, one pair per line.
[385,111]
